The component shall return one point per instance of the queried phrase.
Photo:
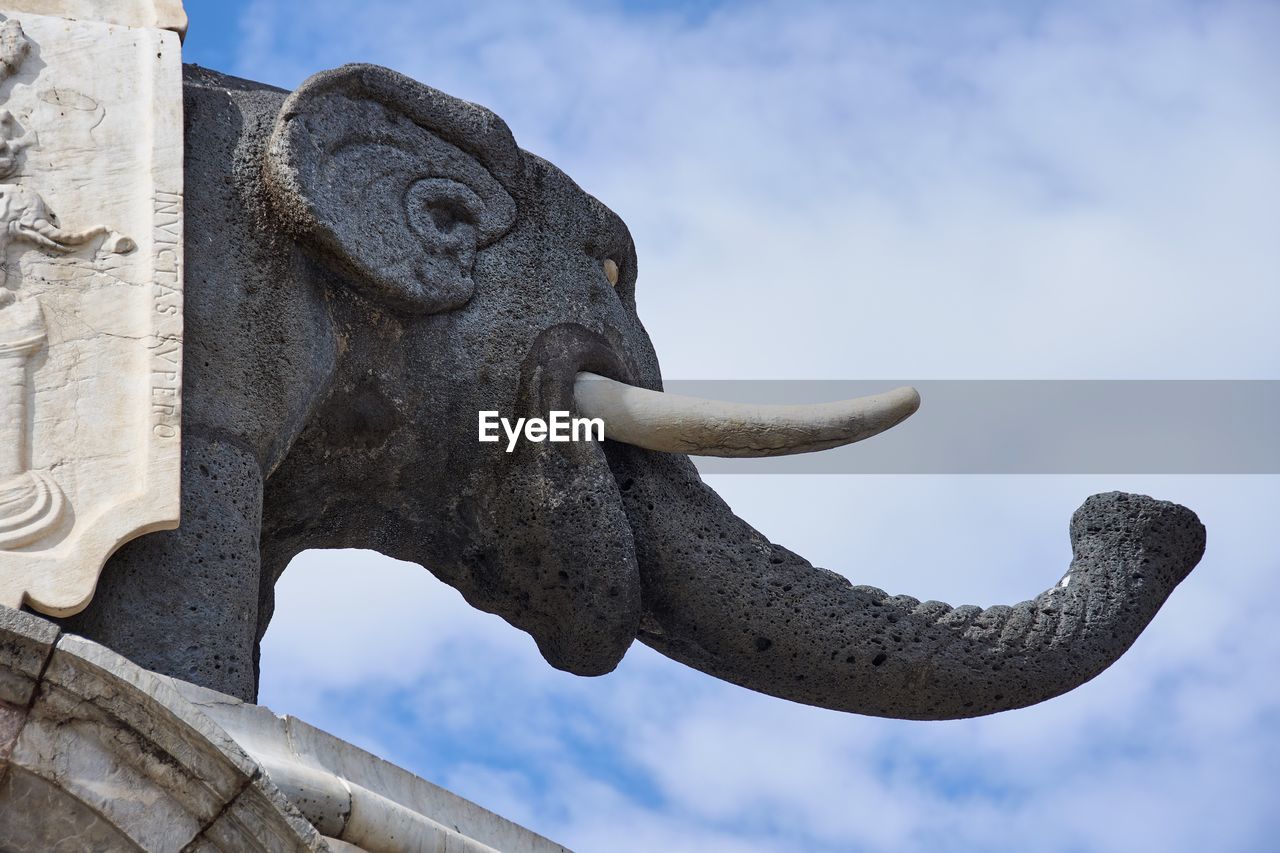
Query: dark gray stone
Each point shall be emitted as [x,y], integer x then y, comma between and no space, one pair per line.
[185,602]
[727,601]
[370,262]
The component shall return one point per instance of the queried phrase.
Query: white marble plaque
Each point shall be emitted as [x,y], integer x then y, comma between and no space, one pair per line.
[91,288]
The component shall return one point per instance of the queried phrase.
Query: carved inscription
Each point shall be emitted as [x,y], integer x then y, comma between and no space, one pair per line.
[167,304]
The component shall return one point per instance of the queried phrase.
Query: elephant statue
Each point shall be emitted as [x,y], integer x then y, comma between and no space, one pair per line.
[370,263]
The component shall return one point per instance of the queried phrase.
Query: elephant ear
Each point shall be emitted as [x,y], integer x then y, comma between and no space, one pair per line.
[395,184]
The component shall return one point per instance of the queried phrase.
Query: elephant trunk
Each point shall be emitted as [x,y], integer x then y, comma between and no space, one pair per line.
[718,596]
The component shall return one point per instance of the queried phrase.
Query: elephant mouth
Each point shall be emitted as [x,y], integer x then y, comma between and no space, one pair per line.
[556,358]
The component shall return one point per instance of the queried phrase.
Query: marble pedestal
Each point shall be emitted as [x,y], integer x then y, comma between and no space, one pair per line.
[97,753]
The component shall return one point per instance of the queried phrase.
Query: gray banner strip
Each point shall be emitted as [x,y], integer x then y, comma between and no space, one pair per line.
[1033,427]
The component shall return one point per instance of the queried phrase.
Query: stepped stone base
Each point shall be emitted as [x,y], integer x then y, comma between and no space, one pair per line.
[97,753]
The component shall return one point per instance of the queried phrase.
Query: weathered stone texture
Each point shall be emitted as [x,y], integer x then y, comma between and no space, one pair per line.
[90,292]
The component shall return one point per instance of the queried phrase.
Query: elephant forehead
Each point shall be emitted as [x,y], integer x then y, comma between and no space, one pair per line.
[563,203]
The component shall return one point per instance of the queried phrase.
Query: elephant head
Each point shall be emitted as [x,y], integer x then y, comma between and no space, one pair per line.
[397,265]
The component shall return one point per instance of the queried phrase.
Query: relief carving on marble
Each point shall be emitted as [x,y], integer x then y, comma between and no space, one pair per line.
[90,323]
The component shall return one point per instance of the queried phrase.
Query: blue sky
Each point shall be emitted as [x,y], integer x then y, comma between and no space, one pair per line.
[856,190]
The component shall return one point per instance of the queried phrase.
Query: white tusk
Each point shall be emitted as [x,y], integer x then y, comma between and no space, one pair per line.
[676,424]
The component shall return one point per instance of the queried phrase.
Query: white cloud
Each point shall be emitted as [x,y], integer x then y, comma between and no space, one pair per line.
[845,190]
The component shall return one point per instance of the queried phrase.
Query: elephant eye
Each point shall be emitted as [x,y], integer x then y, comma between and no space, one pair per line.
[611,271]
